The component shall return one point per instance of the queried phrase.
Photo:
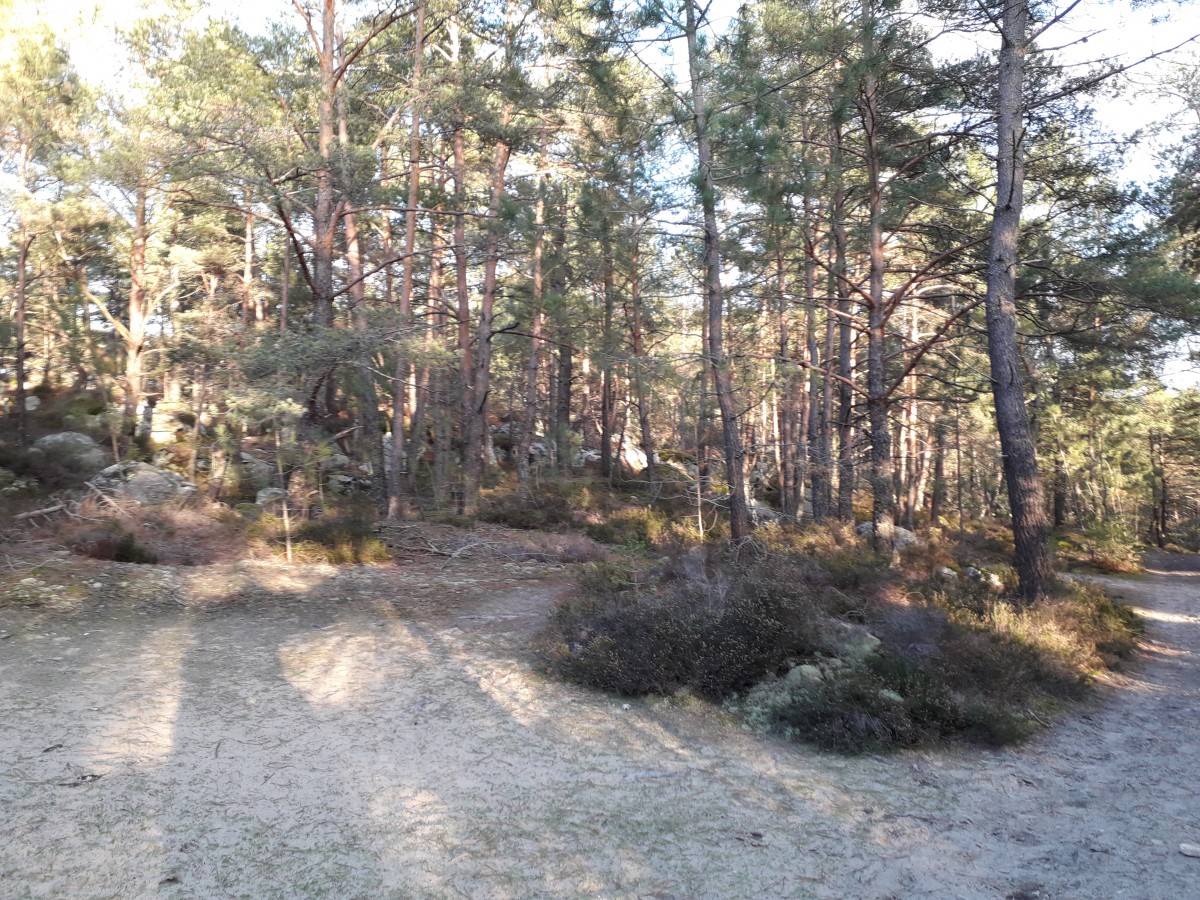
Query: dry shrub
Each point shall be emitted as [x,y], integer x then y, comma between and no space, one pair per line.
[192,535]
[714,636]
[347,534]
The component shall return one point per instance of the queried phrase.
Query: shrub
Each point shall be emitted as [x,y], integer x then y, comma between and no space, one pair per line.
[112,543]
[548,509]
[953,659]
[851,713]
[635,527]
[713,638]
[345,537]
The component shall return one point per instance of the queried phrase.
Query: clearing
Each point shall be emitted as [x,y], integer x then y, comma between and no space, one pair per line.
[251,730]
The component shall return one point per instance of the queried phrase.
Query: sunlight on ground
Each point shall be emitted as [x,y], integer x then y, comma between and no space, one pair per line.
[140,729]
[1174,618]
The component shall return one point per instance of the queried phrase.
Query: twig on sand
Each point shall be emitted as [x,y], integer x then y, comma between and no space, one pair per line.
[34,513]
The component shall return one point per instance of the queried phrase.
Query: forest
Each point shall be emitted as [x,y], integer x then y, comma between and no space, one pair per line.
[599,447]
[762,266]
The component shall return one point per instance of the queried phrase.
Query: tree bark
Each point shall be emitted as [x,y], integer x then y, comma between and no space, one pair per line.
[1029,520]
[882,498]
[135,335]
[525,444]
[718,362]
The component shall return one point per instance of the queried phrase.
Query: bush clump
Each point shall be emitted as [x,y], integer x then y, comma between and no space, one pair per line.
[346,536]
[851,664]
[714,639]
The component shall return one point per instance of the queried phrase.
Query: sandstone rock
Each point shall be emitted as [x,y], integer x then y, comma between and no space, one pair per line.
[901,537]
[800,676]
[762,514]
[853,643]
[269,495]
[144,484]
[335,463]
[258,471]
[78,451]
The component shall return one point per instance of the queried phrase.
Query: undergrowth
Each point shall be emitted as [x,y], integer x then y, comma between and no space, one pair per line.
[819,641]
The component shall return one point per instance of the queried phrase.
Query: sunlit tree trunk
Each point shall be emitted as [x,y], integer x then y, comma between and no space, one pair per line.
[718,362]
[1029,520]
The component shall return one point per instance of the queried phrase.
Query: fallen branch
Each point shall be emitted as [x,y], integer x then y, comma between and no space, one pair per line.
[49,510]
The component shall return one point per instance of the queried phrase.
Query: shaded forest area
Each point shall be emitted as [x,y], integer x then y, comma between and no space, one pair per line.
[440,256]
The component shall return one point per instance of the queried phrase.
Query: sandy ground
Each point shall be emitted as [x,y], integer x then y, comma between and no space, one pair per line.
[250,731]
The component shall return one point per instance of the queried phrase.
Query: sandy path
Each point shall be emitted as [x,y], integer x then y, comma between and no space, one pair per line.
[385,744]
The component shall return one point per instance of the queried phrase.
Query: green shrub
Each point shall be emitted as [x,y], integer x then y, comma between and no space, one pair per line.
[956,661]
[548,509]
[854,712]
[128,550]
[635,527]
[711,638]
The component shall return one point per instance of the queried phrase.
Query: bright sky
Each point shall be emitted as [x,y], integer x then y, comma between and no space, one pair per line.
[1096,30]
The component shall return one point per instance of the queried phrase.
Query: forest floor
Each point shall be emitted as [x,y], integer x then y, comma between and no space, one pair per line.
[250,730]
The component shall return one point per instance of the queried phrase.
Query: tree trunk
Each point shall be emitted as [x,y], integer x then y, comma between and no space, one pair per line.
[24,241]
[324,219]
[882,497]
[476,422]
[607,351]
[135,336]
[1029,521]
[845,418]
[528,420]
[638,345]
[402,373]
[739,522]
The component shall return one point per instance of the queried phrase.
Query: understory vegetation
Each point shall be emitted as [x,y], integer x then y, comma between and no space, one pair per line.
[765,315]
[809,636]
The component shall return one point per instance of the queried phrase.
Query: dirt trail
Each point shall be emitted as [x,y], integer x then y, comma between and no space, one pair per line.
[250,731]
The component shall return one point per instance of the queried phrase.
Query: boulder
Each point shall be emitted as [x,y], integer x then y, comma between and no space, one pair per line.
[586,458]
[763,514]
[901,537]
[270,495]
[335,463]
[144,484]
[32,403]
[258,471]
[991,579]
[851,642]
[75,450]
[806,674]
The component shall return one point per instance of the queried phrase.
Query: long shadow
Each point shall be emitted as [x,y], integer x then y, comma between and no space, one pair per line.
[284,743]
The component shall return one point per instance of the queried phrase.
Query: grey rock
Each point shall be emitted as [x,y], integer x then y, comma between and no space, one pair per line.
[76,450]
[334,463]
[851,642]
[269,495]
[801,675]
[259,471]
[947,573]
[1192,850]
[144,484]
[762,514]
[901,537]
[32,403]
